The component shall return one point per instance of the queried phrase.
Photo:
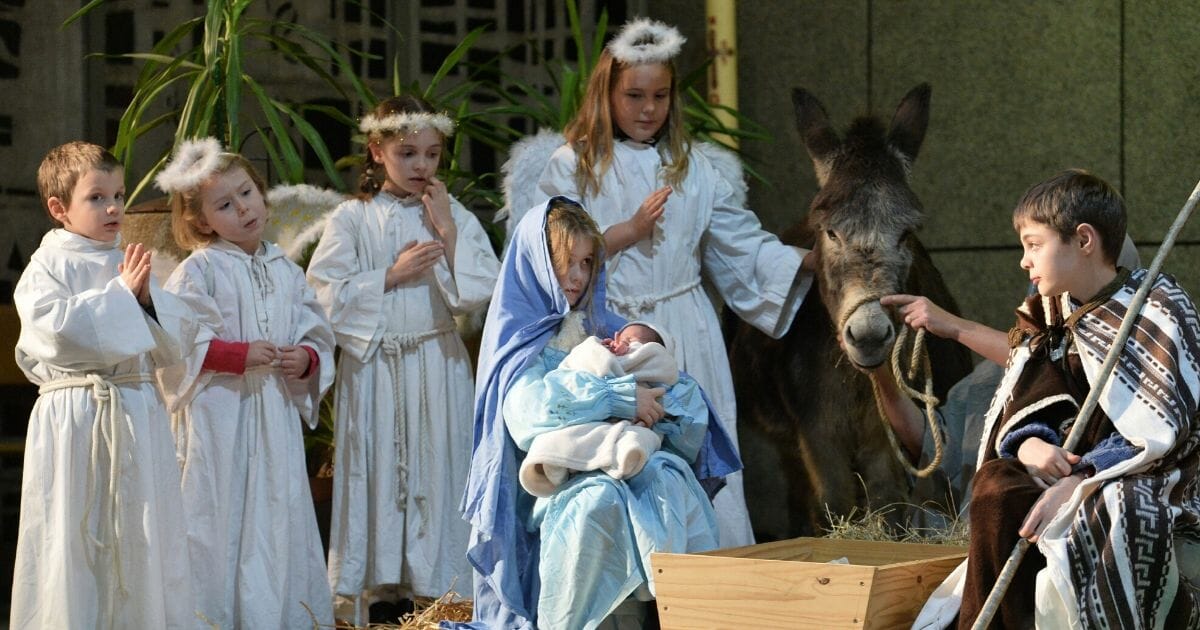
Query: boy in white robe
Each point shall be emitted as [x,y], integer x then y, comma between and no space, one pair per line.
[101,542]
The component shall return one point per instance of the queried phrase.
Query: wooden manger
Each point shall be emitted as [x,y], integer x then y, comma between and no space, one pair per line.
[791,584]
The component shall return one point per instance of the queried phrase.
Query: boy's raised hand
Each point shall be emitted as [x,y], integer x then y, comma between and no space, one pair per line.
[1046,462]
[293,360]
[916,311]
[412,261]
[437,208]
[261,353]
[135,271]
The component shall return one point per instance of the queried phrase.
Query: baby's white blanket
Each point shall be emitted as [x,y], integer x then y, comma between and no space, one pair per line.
[619,449]
[649,363]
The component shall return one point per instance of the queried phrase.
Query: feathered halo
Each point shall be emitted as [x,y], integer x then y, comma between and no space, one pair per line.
[407,122]
[646,41]
[194,161]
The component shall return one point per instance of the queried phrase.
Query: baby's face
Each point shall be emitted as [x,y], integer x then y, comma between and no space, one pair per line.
[622,343]
[638,333]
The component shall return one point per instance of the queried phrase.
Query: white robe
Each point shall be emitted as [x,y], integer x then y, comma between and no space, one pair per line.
[101,542]
[252,534]
[400,349]
[702,234]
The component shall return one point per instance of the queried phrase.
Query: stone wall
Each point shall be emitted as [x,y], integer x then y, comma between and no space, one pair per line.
[1021,90]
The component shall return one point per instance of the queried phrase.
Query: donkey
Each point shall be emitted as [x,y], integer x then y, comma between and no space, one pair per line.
[808,390]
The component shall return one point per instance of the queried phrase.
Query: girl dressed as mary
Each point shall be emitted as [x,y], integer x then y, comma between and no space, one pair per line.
[571,559]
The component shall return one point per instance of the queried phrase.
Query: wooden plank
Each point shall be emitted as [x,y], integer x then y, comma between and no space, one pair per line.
[697,591]
[864,552]
[789,583]
[900,590]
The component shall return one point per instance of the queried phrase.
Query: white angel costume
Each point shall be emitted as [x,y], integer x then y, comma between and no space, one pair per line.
[255,549]
[101,541]
[705,236]
[404,396]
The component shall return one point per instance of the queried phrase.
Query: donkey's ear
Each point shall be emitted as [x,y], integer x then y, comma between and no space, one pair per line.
[815,131]
[911,120]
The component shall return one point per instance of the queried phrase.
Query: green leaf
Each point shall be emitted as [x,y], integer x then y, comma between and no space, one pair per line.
[453,58]
[317,143]
[576,32]
[292,166]
[233,88]
[81,12]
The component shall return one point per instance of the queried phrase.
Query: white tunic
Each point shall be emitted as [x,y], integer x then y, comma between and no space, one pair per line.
[404,397]
[252,534]
[702,235]
[101,540]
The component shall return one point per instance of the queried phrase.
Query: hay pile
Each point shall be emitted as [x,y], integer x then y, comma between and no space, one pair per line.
[428,613]
[873,524]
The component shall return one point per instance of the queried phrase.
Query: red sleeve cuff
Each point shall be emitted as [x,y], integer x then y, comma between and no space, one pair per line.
[314,361]
[226,356]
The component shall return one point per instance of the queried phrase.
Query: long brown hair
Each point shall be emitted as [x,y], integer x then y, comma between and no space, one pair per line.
[591,131]
[567,223]
[374,173]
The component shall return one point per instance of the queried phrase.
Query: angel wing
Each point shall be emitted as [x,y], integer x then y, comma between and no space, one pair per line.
[298,216]
[526,160]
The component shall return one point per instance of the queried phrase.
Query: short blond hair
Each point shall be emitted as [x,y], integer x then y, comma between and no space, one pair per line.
[187,210]
[63,165]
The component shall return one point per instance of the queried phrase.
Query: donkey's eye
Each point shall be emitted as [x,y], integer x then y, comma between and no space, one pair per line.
[833,236]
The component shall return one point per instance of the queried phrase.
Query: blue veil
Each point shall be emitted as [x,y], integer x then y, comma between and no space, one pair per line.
[526,309]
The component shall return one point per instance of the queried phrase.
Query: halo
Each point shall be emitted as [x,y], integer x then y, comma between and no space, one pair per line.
[194,161]
[645,41]
[407,122]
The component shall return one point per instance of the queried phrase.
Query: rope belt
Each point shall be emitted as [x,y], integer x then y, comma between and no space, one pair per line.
[394,346]
[646,303]
[106,431]
[919,363]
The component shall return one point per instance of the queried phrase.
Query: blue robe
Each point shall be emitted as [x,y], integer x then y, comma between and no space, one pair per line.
[526,309]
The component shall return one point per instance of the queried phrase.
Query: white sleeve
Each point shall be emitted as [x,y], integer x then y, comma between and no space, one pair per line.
[89,331]
[352,297]
[188,287]
[312,330]
[755,274]
[558,178]
[475,265]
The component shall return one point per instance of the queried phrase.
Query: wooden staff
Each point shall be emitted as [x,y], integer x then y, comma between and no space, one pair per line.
[992,604]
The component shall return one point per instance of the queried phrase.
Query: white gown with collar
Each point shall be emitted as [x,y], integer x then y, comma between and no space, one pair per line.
[101,541]
[703,235]
[252,534]
[405,393]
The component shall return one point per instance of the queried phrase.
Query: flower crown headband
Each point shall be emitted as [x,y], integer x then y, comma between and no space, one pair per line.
[194,162]
[645,41]
[407,122]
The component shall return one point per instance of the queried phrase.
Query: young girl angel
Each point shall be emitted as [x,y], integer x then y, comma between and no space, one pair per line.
[572,558]
[669,219]
[262,366]
[393,269]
